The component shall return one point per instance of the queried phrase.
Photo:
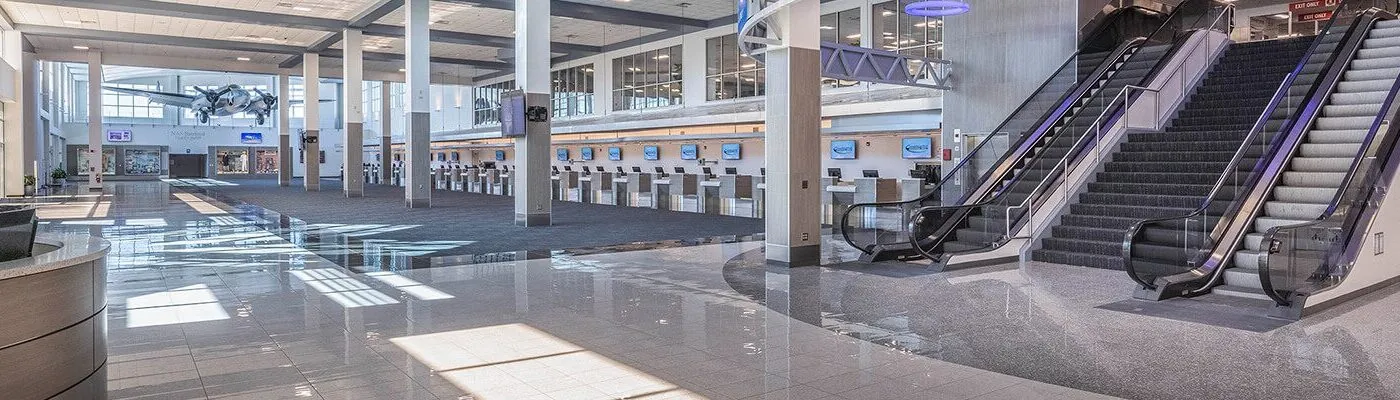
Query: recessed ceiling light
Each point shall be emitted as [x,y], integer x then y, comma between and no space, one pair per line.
[403,70]
[72,22]
[80,47]
[244,59]
[300,8]
[824,27]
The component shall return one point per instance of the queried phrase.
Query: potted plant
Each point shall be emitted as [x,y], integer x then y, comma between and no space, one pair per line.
[59,176]
[29,181]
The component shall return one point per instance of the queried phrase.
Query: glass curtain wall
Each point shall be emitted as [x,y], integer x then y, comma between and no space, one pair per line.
[486,109]
[729,73]
[573,91]
[841,27]
[649,79]
[907,34]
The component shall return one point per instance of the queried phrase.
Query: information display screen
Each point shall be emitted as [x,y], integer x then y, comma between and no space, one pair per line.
[500,155]
[731,151]
[250,138]
[562,154]
[690,152]
[586,153]
[843,149]
[614,154]
[513,116]
[651,153]
[917,148]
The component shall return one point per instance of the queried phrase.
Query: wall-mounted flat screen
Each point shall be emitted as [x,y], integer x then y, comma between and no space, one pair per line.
[690,152]
[118,136]
[562,154]
[500,155]
[456,156]
[250,138]
[614,154]
[586,153]
[513,114]
[843,149]
[917,148]
[731,151]
[651,153]
[442,156]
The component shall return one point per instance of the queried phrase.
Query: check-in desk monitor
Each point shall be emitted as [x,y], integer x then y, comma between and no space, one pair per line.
[680,170]
[731,171]
[709,174]
[870,173]
[834,173]
[661,172]
[554,169]
[636,169]
[568,168]
[763,171]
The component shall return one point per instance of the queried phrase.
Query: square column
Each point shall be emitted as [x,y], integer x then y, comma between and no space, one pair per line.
[284,131]
[793,138]
[386,135]
[352,176]
[418,190]
[533,205]
[311,143]
[95,163]
[15,138]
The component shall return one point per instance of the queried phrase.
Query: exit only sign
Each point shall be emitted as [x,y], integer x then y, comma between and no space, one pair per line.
[1311,4]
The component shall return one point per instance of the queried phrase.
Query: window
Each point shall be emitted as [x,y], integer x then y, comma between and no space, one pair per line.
[729,73]
[372,103]
[189,113]
[486,109]
[296,103]
[841,27]
[647,80]
[907,34]
[122,105]
[573,91]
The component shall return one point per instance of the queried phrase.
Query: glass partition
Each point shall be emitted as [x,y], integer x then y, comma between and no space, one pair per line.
[143,162]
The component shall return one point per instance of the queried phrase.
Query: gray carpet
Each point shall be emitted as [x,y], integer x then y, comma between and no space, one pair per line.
[484,223]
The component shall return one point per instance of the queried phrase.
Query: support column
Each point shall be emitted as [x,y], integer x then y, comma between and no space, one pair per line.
[354,134]
[386,135]
[311,123]
[14,136]
[95,163]
[793,138]
[418,190]
[532,182]
[285,161]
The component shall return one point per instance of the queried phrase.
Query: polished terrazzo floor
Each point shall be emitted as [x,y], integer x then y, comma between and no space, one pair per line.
[205,304]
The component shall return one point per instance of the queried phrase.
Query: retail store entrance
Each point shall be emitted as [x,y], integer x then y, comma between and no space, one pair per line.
[187,165]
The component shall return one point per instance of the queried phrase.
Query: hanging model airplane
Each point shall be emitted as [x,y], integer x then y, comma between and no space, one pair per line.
[222,102]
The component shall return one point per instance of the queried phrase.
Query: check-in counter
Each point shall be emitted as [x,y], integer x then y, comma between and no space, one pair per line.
[869,190]
[838,197]
[673,192]
[456,183]
[398,176]
[760,186]
[734,190]
[565,184]
[709,200]
[912,188]
[595,187]
[373,177]
[490,181]
[634,190]
[504,183]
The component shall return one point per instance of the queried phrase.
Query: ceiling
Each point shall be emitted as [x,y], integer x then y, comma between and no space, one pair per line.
[262,35]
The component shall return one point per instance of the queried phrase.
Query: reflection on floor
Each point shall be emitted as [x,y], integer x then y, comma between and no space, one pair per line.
[204,306]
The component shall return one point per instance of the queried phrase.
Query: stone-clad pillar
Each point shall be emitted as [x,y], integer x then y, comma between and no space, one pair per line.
[532,178]
[285,161]
[792,147]
[353,180]
[418,187]
[311,67]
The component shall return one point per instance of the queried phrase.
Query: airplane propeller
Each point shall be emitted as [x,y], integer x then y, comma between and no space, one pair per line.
[267,99]
[209,94]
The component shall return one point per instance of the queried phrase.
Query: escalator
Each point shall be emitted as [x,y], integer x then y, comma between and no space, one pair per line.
[1286,171]
[997,199]
[881,230]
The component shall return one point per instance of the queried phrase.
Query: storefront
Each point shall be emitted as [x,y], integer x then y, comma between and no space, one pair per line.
[243,161]
[121,162]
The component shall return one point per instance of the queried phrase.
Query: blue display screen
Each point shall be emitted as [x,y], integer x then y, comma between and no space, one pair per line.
[615,154]
[651,153]
[500,155]
[690,152]
[586,153]
[917,148]
[843,149]
[245,137]
[731,151]
[562,154]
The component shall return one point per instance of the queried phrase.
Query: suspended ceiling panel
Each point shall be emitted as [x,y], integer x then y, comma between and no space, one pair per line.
[63,44]
[32,14]
[495,22]
[333,9]
[693,9]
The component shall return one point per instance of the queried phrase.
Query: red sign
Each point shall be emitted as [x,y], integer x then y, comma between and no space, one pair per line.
[1317,16]
[947,154]
[1304,5]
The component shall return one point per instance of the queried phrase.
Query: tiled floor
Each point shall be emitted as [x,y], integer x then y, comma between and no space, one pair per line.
[205,305]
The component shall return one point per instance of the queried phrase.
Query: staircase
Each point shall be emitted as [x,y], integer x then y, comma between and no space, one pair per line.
[988,224]
[1167,173]
[1316,171]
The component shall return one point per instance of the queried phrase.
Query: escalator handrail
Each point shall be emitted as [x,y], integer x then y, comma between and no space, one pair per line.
[1080,146]
[1098,23]
[1385,117]
[1079,91]
[1259,128]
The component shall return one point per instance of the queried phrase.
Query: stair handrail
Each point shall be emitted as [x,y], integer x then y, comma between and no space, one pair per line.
[1389,117]
[1259,128]
[1079,91]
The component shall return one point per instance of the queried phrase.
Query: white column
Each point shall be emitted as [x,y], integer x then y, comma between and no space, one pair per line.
[311,123]
[95,163]
[418,190]
[793,139]
[14,136]
[285,160]
[353,166]
[532,180]
[386,135]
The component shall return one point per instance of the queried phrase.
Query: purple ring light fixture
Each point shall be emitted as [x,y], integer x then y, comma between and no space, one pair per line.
[937,8]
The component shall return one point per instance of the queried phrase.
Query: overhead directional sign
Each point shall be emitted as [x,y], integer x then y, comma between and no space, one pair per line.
[1311,4]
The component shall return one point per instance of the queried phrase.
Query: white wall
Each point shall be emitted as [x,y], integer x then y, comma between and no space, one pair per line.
[198,139]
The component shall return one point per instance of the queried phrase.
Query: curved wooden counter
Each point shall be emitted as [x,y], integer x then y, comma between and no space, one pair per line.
[53,316]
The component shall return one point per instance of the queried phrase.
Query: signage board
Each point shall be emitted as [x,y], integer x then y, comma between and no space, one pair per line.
[119,136]
[917,148]
[843,149]
[1314,16]
[586,153]
[250,138]
[500,155]
[690,152]
[614,154]
[561,154]
[651,153]
[730,151]
[1311,4]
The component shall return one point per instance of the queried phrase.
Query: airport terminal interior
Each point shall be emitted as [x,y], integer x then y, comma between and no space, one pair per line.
[698,199]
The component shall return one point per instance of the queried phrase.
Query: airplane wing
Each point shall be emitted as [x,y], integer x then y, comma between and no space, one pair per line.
[169,99]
